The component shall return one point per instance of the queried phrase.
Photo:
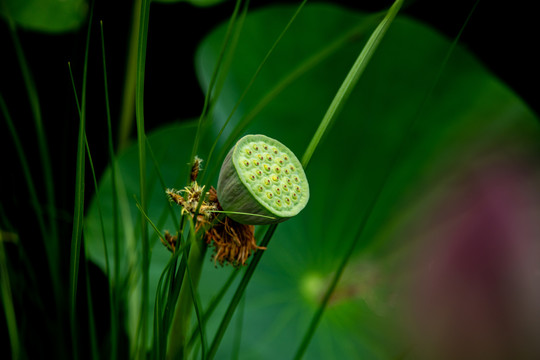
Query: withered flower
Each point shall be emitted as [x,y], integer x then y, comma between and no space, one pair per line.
[233,242]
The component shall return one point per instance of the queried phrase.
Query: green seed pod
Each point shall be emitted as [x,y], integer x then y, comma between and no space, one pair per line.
[253,181]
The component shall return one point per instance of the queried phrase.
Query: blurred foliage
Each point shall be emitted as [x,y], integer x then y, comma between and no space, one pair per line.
[416,119]
[54,16]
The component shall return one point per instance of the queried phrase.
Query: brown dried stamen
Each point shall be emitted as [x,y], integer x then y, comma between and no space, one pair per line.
[233,242]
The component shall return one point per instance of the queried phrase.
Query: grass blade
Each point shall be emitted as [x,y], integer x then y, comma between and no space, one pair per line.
[113,281]
[41,140]
[7,302]
[351,80]
[214,78]
[141,141]
[78,211]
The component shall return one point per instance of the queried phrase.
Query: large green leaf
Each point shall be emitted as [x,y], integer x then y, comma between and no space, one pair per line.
[397,130]
[46,15]
[434,125]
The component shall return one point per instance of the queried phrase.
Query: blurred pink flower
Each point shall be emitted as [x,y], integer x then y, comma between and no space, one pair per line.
[475,292]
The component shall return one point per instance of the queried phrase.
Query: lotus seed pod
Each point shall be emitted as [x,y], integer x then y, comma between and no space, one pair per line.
[262,179]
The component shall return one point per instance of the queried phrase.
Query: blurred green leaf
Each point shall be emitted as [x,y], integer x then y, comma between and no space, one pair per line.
[407,125]
[46,15]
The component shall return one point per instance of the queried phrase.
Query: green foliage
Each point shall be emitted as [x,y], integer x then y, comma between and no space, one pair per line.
[52,16]
[412,118]
[384,110]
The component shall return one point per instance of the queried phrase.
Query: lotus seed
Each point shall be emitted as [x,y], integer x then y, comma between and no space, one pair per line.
[267,182]
[269,195]
[269,157]
[266,167]
[287,200]
[277,169]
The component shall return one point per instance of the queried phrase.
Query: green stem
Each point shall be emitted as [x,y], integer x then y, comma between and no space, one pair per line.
[178,335]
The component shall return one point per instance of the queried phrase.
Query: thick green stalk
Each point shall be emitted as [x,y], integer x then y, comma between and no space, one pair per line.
[179,332]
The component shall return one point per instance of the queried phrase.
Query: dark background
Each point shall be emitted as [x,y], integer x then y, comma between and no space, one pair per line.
[503,35]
